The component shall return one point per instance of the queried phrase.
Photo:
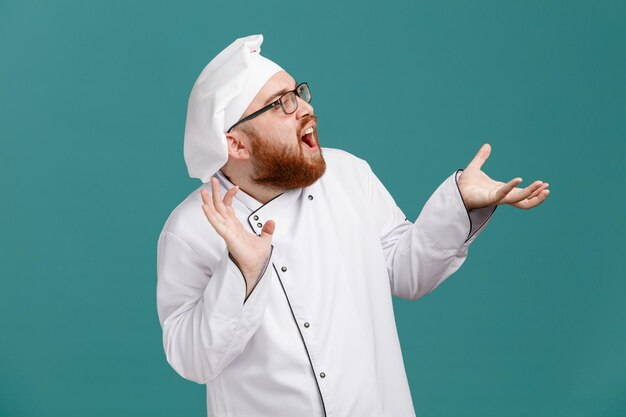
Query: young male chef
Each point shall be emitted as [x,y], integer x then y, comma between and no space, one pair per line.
[276,276]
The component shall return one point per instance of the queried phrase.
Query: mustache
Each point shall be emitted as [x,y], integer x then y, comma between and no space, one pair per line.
[305,121]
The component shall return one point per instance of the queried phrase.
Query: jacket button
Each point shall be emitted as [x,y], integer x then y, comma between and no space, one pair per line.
[259,224]
[256,217]
[284,269]
[323,375]
[310,197]
[306,324]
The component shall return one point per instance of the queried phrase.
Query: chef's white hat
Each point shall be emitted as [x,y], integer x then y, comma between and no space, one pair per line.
[220,95]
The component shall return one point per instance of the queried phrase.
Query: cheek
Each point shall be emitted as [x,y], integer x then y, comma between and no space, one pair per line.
[283,138]
[289,136]
[283,134]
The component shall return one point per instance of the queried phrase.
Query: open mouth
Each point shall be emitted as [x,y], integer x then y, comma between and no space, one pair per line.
[309,138]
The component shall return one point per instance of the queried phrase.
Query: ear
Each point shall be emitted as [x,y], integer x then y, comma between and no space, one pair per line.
[237,149]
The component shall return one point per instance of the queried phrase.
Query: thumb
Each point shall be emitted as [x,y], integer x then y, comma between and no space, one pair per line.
[268,229]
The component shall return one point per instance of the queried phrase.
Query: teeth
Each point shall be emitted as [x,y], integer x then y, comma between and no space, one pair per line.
[308,131]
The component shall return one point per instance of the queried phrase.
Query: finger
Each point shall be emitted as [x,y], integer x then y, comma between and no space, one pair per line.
[213,217]
[534,202]
[231,212]
[268,229]
[481,157]
[518,195]
[208,206]
[538,190]
[206,197]
[217,197]
[228,198]
[506,188]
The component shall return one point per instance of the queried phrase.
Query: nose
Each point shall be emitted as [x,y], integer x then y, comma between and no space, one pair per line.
[304,109]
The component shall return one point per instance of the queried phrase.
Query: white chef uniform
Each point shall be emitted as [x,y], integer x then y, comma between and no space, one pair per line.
[317,335]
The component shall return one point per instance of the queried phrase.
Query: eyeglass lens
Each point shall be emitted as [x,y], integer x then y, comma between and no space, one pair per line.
[289,101]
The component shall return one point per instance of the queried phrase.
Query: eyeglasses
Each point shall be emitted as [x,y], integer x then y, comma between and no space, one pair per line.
[288,102]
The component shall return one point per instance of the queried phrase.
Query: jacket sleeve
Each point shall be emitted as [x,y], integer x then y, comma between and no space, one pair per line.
[421,255]
[205,316]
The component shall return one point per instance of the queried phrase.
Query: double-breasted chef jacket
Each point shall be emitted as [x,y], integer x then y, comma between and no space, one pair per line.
[317,335]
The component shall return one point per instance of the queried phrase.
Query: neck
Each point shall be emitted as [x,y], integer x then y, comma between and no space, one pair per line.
[260,193]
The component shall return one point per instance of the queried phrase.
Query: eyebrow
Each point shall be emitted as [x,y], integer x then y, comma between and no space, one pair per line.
[280,93]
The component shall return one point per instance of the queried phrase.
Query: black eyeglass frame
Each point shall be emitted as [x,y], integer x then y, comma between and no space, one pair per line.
[278,102]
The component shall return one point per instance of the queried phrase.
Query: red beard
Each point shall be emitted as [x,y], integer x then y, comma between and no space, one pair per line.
[286,167]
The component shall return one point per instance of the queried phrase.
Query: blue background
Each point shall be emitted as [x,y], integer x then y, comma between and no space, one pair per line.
[93,98]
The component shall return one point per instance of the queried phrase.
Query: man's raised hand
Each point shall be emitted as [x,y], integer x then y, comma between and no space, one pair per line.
[249,251]
[478,190]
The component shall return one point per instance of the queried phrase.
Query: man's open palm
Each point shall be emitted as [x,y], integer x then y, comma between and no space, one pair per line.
[248,250]
[478,190]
